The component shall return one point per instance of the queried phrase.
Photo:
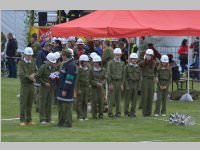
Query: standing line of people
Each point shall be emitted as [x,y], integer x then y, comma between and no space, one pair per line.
[81,79]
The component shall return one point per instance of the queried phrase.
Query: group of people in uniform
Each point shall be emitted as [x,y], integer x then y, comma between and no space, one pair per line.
[72,76]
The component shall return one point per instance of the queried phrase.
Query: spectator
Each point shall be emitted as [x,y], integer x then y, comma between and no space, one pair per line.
[174,67]
[195,46]
[35,45]
[11,50]
[58,46]
[124,56]
[156,53]
[142,47]
[107,54]
[183,54]
[98,48]
[41,57]
[80,49]
[3,41]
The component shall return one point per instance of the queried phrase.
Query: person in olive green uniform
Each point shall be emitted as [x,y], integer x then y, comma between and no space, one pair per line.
[148,68]
[35,44]
[26,71]
[115,73]
[82,87]
[46,89]
[142,48]
[164,78]
[97,80]
[107,54]
[132,77]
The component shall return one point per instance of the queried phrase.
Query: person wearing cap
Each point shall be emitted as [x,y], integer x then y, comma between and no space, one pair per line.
[115,74]
[114,43]
[82,87]
[26,70]
[46,89]
[131,77]
[65,54]
[65,95]
[41,57]
[148,68]
[124,56]
[107,53]
[71,42]
[80,49]
[164,77]
[97,47]
[97,80]
[40,60]
[142,47]
[35,44]
[58,46]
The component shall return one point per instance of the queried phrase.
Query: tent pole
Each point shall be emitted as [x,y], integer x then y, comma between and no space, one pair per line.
[188,81]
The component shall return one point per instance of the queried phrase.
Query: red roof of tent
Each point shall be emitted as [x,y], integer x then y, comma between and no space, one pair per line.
[131,23]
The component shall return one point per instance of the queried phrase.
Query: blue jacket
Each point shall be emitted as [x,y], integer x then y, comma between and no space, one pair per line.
[41,57]
[67,79]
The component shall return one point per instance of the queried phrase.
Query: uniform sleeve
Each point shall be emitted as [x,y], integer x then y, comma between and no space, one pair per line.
[21,71]
[108,73]
[69,77]
[170,78]
[91,78]
[39,75]
[125,75]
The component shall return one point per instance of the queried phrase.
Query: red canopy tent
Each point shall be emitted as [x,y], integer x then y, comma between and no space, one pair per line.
[132,23]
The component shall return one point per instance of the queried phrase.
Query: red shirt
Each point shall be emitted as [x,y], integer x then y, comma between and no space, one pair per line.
[80,52]
[183,50]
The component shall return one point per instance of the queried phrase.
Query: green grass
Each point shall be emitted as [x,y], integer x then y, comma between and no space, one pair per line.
[106,130]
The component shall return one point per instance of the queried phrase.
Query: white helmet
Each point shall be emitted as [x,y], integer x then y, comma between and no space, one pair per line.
[93,54]
[51,57]
[134,55]
[96,58]
[57,55]
[60,39]
[54,39]
[80,41]
[71,38]
[83,58]
[149,52]
[117,51]
[164,58]
[64,41]
[28,51]
[71,50]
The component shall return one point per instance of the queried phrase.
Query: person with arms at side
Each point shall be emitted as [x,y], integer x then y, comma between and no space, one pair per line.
[132,77]
[82,87]
[164,78]
[66,90]
[26,71]
[97,81]
[11,51]
[115,74]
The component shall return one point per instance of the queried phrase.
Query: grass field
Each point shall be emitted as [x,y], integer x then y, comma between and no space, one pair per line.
[106,130]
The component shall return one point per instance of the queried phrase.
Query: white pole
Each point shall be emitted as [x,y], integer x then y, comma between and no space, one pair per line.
[188,81]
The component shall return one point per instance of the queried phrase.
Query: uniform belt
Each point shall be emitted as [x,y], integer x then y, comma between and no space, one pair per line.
[116,79]
[148,77]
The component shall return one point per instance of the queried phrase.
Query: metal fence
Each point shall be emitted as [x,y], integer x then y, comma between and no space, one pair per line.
[169,50]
